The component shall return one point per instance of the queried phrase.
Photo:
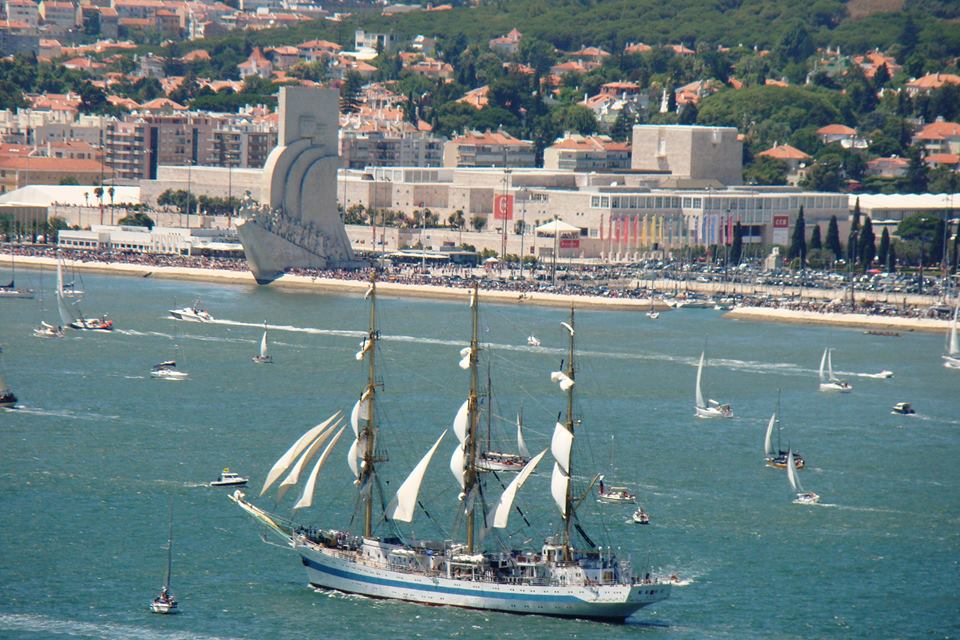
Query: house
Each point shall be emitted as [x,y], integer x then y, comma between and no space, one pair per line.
[892,167]
[590,54]
[59,17]
[575,67]
[637,48]
[928,83]
[488,149]
[314,50]
[939,137]
[949,160]
[377,41]
[49,49]
[576,152]
[795,160]
[197,55]
[18,171]
[23,11]
[109,23]
[283,57]
[846,136]
[871,63]
[680,50]
[507,46]
[695,91]
[255,65]
[477,98]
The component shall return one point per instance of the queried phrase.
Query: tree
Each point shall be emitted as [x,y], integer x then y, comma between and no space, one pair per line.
[884,249]
[815,242]
[867,249]
[736,248]
[938,250]
[833,238]
[892,259]
[796,45]
[798,243]
[766,171]
[478,222]
[456,219]
[350,92]
[917,171]
[138,219]
[923,229]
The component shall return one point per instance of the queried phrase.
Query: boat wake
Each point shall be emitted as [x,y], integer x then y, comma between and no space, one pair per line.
[37,411]
[51,627]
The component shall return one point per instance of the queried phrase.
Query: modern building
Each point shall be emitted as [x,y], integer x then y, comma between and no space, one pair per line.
[575,152]
[488,149]
[242,144]
[689,152]
[389,145]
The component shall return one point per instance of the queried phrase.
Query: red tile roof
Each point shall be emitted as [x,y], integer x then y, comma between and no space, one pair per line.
[939,131]
[836,130]
[784,152]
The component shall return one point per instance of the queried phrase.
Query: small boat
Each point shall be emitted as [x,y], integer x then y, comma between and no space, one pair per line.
[803,497]
[263,357]
[46,330]
[82,323]
[193,313]
[778,458]
[490,460]
[889,334]
[615,495]
[951,359]
[710,408]
[165,603]
[229,478]
[653,314]
[640,516]
[902,409]
[7,399]
[883,375]
[533,341]
[828,381]
[10,289]
[167,370]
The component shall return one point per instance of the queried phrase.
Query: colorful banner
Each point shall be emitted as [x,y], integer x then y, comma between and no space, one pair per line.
[503,207]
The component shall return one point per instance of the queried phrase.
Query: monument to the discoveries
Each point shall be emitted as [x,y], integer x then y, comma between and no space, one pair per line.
[298,223]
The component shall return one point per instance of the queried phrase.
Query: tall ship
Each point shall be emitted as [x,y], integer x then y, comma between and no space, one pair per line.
[566,575]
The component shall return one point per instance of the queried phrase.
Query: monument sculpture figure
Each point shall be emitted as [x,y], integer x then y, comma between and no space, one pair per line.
[298,224]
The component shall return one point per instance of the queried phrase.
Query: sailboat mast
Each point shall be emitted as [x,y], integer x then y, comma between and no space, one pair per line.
[369,431]
[568,423]
[470,469]
[166,580]
[489,403]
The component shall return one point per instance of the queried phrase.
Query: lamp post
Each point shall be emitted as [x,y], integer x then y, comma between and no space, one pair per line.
[523,225]
[556,248]
[189,191]
[503,217]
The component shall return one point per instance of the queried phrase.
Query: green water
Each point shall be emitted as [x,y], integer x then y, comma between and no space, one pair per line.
[96,449]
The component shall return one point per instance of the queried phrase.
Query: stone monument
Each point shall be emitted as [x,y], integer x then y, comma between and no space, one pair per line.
[298,223]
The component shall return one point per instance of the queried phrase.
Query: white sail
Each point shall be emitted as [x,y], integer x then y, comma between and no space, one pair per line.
[823,364]
[562,379]
[830,366]
[352,459]
[364,347]
[360,411]
[567,327]
[65,318]
[306,500]
[558,487]
[461,420]
[953,347]
[560,446]
[456,465]
[521,444]
[767,444]
[792,474]
[403,504]
[287,458]
[263,345]
[294,476]
[501,511]
[700,403]
[465,358]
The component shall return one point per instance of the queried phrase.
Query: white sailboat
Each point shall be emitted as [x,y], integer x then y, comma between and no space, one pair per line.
[711,408]
[45,329]
[803,497]
[951,359]
[777,458]
[81,322]
[477,571]
[10,289]
[828,381]
[263,357]
[165,603]
[533,341]
[493,460]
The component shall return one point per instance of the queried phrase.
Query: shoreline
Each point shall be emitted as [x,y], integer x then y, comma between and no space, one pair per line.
[851,320]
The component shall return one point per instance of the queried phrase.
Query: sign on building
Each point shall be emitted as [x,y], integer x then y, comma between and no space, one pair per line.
[781,226]
[503,207]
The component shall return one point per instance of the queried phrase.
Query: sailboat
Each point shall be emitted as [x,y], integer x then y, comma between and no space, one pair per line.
[491,460]
[653,314]
[557,578]
[263,357]
[7,399]
[81,322]
[778,458]
[45,329]
[828,381]
[533,341]
[711,408]
[951,359]
[165,603]
[10,289]
[803,497]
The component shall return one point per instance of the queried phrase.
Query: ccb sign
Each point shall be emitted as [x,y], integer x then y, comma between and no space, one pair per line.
[503,207]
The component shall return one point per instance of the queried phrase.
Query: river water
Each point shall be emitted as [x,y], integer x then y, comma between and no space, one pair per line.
[97,449]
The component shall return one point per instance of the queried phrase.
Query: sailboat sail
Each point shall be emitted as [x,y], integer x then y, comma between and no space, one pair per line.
[294,476]
[700,403]
[460,422]
[521,444]
[560,446]
[767,443]
[404,503]
[501,511]
[306,500]
[558,487]
[953,347]
[792,474]
[823,364]
[263,345]
[61,306]
[287,458]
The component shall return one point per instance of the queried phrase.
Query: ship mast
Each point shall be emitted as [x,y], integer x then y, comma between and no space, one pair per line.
[470,476]
[568,423]
[367,471]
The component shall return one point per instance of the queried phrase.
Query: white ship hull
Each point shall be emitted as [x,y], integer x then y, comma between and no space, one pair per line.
[338,570]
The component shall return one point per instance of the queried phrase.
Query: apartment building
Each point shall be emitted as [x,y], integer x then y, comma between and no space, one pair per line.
[576,152]
[488,149]
[382,145]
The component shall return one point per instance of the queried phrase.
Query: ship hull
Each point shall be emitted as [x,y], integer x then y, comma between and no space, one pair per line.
[327,569]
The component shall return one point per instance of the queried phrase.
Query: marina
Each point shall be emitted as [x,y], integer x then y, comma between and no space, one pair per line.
[102,449]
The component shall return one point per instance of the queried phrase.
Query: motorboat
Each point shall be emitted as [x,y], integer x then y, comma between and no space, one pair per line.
[710,408]
[193,313]
[92,324]
[802,497]
[828,381]
[640,516]
[903,409]
[615,495]
[229,478]
[167,370]
[46,330]
[533,341]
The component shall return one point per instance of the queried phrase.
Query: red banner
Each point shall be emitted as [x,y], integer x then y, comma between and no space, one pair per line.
[503,207]
[569,244]
[781,222]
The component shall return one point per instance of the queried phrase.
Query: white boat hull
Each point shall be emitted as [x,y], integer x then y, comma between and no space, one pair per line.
[169,375]
[712,412]
[330,569]
[190,315]
[835,387]
[951,362]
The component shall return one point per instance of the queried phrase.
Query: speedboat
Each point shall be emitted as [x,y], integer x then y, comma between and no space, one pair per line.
[229,478]
[7,399]
[640,516]
[902,409]
[615,495]
[167,370]
[46,330]
[533,341]
[193,313]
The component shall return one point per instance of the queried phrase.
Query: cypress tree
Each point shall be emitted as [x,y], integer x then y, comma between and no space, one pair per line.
[798,243]
[855,223]
[892,258]
[868,247]
[815,242]
[736,249]
[852,247]
[833,238]
[884,247]
[937,250]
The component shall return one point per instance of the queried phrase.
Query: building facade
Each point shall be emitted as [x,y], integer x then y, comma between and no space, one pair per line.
[692,152]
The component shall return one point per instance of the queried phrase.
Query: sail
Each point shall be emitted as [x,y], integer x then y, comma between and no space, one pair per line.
[365,346]
[792,474]
[501,511]
[832,377]
[403,504]
[263,345]
[562,379]
[560,446]
[456,465]
[823,364]
[361,411]
[287,458]
[767,444]
[953,347]
[461,420]
[294,476]
[306,500]
[61,307]
[521,445]
[558,487]
[700,403]
[465,358]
